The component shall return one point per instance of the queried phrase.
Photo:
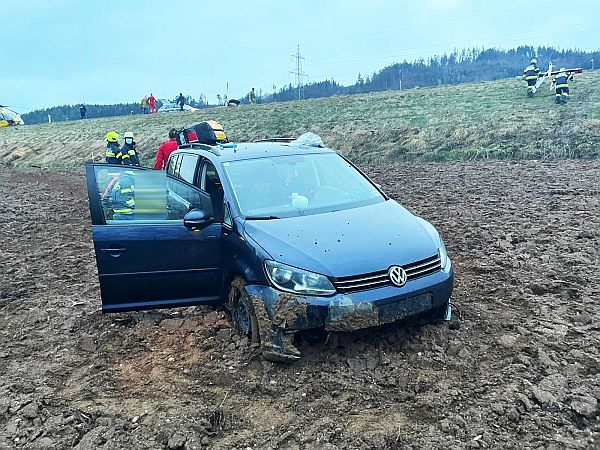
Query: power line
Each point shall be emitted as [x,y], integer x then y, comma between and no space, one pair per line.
[478,39]
[299,73]
[400,52]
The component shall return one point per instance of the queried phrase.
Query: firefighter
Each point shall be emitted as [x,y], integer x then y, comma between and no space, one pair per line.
[561,85]
[112,148]
[122,197]
[532,73]
[165,150]
[129,150]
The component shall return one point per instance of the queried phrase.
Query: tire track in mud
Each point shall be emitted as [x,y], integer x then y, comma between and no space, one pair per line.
[521,370]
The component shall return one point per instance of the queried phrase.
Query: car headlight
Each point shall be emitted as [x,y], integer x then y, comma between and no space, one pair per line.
[297,281]
[443,255]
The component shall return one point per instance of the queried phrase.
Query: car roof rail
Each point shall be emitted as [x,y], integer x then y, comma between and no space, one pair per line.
[197,145]
[278,139]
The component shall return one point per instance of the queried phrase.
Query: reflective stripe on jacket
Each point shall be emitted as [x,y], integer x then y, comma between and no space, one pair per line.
[132,154]
[562,79]
[122,195]
[531,72]
[112,150]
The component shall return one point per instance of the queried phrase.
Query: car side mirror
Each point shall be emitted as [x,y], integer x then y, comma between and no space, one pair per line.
[197,218]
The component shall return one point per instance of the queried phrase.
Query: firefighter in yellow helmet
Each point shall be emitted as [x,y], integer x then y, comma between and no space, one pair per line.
[113,151]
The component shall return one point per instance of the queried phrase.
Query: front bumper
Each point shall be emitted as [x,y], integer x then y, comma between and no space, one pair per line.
[345,312]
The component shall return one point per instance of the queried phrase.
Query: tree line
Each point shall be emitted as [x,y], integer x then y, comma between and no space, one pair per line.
[465,66]
[468,65]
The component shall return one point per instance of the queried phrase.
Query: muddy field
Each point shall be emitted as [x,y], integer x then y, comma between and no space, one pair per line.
[518,367]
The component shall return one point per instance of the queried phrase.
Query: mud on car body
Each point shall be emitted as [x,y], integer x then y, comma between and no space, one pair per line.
[289,236]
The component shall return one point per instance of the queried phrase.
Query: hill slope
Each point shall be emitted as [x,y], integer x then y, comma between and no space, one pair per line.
[480,120]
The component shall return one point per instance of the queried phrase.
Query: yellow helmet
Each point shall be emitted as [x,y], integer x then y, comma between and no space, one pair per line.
[112,136]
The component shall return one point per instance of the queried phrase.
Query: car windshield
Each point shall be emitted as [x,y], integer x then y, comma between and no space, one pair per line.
[286,186]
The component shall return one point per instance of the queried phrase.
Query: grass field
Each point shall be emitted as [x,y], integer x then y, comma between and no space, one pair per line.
[469,121]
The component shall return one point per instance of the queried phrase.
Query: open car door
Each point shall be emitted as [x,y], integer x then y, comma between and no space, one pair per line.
[145,255]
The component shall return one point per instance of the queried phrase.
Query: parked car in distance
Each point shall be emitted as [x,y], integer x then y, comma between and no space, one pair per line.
[287,234]
[173,107]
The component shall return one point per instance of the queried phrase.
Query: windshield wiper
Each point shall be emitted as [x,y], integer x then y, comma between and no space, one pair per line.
[262,217]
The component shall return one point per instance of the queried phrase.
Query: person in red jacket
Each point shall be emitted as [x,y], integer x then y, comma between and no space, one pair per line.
[152,103]
[165,150]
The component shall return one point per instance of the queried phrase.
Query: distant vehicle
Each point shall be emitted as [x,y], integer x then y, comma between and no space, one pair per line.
[9,118]
[168,107]
[289,236]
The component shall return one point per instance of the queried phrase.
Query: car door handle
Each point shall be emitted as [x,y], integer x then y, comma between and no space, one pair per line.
[113,250]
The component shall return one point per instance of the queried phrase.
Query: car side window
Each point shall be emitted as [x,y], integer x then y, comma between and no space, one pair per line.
[177,165]
[138,196]
[227,215]
[187,170]
[171,165]
[182,198]
[211,183]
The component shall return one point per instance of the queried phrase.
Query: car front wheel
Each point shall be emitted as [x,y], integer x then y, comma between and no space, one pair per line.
[242,311]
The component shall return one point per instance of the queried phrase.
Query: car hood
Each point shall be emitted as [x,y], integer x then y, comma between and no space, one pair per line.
[347,242]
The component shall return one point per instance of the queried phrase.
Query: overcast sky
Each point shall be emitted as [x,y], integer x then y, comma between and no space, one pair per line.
[90,51]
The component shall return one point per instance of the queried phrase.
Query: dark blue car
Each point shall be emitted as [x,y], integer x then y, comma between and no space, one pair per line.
[288,235]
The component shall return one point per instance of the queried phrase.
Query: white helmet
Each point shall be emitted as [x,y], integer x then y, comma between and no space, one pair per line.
[128,134]
[534,61]
[562,69]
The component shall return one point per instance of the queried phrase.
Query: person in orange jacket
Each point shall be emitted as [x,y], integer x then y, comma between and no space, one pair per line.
[165,150]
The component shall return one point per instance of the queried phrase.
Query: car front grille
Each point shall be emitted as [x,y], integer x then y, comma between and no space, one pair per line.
[378,279]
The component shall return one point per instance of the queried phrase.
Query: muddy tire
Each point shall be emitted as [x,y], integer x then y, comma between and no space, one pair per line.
[242,311]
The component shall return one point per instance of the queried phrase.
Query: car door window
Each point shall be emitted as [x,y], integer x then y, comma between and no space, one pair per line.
[187,170]
[227,215]
[211,183]
[172,164]
[135,195]
[177,165]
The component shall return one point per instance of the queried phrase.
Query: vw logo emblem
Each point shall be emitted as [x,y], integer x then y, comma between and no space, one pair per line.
[397,276]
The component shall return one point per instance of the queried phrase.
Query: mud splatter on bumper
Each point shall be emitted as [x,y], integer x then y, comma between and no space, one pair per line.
[281,314]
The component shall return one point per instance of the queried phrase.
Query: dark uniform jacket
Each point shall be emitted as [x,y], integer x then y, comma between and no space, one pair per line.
[562,79]
[531,72]
[122,195]
[132,154]
[112,152]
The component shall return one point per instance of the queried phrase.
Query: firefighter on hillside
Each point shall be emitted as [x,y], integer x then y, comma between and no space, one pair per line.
[531,73]
[129,150]
[561,85]
[112,148]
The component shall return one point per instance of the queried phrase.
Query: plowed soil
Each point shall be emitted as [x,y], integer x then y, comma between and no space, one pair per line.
[519,366]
